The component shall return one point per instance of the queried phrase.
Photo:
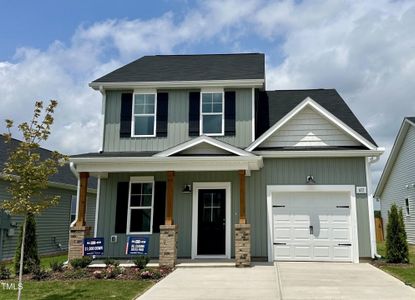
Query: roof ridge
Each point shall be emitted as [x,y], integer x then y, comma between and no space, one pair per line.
[207,54]
[294,90]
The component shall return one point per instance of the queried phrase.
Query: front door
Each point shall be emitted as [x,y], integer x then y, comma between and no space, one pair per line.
[211,234]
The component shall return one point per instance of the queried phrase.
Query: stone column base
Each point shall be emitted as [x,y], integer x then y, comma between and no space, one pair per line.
[168,245]
[76,242]
[242,245]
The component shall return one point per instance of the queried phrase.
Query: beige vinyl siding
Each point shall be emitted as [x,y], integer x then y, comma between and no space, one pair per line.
[308,128]
[52,226]
[395,190]
[326,171]
[177,128]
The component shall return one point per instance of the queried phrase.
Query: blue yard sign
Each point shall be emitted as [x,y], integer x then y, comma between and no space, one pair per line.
[137,245]
[93,246]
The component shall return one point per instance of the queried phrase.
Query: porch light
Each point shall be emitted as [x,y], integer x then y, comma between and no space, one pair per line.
[310,179]
[187,189]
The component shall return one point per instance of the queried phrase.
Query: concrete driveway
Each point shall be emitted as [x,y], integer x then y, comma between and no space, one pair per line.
[282,281]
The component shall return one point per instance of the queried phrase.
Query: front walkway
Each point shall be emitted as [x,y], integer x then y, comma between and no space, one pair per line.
[257,282]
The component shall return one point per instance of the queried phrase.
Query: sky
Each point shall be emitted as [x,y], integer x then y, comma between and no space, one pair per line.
[53,49]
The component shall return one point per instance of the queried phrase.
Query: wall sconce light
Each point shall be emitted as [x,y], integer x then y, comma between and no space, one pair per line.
[187,188]
[310,179]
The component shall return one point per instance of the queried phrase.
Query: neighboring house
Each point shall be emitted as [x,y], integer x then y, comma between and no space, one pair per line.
[195,142]
[397,184]
[52,225]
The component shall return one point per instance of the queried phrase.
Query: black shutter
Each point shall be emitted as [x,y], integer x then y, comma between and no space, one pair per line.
[121,207]
[159,207]
[126,114]
[230,107]
[194,113]
[162,114]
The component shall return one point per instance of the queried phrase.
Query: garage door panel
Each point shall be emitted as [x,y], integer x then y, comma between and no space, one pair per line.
[329,215]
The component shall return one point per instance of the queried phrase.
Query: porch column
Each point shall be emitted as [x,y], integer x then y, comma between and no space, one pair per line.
[169,231]
[77,233]
[242,230]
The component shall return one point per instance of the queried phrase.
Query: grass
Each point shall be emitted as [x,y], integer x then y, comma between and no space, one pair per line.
[79,289]
[44,261]
[405,272]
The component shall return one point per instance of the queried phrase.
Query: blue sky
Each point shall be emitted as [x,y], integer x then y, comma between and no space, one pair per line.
[53,49]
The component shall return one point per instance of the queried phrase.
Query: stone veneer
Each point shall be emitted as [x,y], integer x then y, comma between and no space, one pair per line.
[168,245]
[76,242]
[242,245]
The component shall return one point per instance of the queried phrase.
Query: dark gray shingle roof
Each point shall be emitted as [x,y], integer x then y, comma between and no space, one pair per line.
[273,105]
[412,119]
[64,174]
[115,154]
[190,68]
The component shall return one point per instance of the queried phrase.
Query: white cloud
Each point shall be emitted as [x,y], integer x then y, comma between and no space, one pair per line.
[365,49]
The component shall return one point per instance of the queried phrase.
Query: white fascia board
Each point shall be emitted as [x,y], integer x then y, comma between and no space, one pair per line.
[154,164]
[308,101]
[392,156]
[179,84]
[204,139]
[321,153]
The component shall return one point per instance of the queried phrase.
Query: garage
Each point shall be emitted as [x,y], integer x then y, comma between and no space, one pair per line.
[312,224]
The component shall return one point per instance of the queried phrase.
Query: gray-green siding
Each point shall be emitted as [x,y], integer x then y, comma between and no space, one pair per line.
[395,191]
[178,127]
[52,226]
[326,171]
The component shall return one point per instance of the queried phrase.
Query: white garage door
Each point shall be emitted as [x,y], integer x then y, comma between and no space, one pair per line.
[312,226]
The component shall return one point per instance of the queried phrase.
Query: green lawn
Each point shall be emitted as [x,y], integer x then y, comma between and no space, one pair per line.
[44,261]
[406,273]
[79,289]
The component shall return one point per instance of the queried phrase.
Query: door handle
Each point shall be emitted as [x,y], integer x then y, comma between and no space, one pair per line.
[311,229]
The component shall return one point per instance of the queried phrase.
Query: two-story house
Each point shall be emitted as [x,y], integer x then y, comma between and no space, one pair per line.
[201,159]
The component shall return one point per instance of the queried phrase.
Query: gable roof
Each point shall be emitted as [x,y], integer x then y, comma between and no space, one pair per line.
[159,68]
[64,174]
[203,140]
[400,138]
[309,102]
[275,105]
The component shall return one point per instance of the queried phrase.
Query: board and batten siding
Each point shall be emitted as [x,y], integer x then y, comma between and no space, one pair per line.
[178,127]
[309,128]
[326,171]
[395,190]
[52,226]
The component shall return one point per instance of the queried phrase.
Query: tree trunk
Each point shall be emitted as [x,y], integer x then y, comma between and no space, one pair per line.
[20,286]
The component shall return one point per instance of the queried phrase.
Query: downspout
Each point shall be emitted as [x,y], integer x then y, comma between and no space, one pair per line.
[73,169]
[369,162]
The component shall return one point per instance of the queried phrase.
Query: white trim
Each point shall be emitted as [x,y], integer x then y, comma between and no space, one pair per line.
[253,114]
[310,102]
[321,153]
[103,109]
[211,185]
[145,115]
[97,207]
[400,138]
[138,179]
[201,113]
[154,164]
[77,203]
[203,139]
[314,188]
[370,209]
[180,84]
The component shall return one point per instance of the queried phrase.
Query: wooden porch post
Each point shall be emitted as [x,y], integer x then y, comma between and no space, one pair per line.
[170,191]
[242,205]
[83,177]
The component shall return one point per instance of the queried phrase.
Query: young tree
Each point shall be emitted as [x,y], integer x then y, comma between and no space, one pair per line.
[396,244]
[28,172]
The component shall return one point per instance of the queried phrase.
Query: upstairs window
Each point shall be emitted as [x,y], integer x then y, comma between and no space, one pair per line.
[212,114]
[144,115]
[407,206]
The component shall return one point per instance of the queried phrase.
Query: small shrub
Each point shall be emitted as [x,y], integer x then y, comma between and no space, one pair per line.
[111,262]
[81,263]
[4,272]
[75,274]
[396,244]
[141,261]
[39,273]
[98,274]
[30,257]
[113,272]
[150,274]
[56,266]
